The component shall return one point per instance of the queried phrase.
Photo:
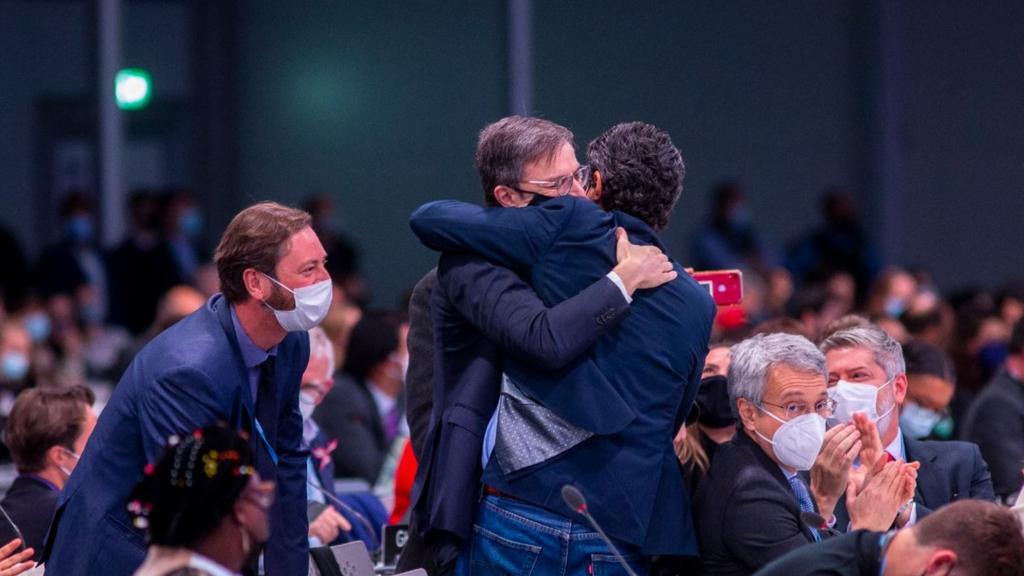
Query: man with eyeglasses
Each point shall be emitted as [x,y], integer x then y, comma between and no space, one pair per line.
[753,506]
[602,423]
[867,377]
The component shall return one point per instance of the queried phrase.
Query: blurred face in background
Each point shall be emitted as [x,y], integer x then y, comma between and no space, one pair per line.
[717,362]
[15,353]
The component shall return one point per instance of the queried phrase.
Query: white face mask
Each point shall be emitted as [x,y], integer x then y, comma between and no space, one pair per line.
[306,405]
[797,442]
[853,397]
[73,455]
[917,421]
[311,306]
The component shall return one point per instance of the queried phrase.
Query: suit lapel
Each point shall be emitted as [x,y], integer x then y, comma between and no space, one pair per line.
[776,472]
[223,311]
[929,483]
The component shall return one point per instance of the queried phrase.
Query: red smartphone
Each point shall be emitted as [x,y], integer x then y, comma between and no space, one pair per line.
[724,286]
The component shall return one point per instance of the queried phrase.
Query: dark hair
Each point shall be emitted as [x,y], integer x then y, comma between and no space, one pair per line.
[641,170]
[924,359]
[42,418]
[74,202]
[509,144]
[256,238]
[193,486]
[986,537]
[373,339]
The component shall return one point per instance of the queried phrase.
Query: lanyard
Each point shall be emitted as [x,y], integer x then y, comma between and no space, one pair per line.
[263,436]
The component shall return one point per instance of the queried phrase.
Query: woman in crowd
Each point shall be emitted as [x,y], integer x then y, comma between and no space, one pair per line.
[203,506]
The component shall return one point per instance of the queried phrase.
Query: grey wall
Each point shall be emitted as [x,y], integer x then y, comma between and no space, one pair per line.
[762,92]
[376,103]
[47,53]
[379,104]
[964,140]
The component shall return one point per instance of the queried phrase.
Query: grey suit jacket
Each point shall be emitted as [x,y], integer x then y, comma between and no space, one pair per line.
[419,381]
[996,424]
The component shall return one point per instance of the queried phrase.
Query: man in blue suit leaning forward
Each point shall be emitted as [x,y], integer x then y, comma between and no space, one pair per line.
[239,359]
[604,423]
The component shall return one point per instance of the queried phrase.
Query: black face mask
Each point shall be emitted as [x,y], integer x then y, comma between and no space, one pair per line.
[713,403]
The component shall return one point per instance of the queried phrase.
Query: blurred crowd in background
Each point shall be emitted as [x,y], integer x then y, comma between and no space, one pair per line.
[78,314]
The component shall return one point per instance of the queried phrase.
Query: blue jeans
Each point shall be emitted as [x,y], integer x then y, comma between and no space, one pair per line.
[516,538]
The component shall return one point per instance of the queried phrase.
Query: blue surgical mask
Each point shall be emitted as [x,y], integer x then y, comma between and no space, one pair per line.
[916,421]
[992,355]
[14,366]
[190,223]
[81,228]
[894,307]
[38,326]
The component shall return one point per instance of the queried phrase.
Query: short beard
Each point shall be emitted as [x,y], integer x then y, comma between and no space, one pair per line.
[280,299]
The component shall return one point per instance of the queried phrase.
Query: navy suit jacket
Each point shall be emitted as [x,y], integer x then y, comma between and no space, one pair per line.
[747,512]
[627,390]
[30,503]
[480,311]
[949,471]
[189,376]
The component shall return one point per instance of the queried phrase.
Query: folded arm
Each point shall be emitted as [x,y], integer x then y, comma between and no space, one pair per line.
[508,312]
[511,237]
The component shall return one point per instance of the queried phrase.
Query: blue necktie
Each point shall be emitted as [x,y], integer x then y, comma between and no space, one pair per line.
[803,497]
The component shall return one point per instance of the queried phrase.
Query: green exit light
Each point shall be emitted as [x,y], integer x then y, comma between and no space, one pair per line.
[132,88]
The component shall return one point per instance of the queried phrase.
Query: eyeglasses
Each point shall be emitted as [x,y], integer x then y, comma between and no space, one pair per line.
[559,186]
[824,408]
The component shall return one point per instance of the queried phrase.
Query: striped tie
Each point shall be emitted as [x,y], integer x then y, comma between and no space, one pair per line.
[803,497]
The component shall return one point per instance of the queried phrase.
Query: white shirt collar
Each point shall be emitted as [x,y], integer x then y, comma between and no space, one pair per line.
[896,447]
[384,402]
[200,562]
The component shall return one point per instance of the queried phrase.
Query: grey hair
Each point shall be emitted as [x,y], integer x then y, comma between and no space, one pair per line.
[754,357]
[505,147]
[887,352]
[320,346]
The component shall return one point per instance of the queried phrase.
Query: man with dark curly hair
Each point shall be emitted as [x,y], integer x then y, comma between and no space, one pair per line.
[636,169]
[599,423]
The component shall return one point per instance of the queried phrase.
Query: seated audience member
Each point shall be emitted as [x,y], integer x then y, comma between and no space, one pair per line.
[751,508]
[966,538]
[364,409]
[867,374]
[333,519]
[930,385]
[710,421]
[46,432]
[14,560]
[996,420]
[203,506]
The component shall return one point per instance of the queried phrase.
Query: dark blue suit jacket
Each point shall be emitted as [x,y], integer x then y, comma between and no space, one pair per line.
[949,471]
[630,387]
[479,312]
[189,376]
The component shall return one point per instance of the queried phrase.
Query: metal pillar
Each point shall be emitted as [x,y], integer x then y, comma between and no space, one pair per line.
[111,133]
[520,57]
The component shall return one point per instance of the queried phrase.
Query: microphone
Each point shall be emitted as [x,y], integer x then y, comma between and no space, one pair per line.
[574,499]
[362,519]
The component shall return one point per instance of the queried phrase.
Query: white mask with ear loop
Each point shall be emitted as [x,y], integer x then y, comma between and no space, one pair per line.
[311,305]
[73,455]
[797,442]
[854,397]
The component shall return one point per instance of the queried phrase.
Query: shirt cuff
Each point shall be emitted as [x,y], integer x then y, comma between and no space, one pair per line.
[614,277]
